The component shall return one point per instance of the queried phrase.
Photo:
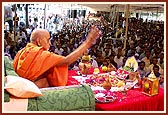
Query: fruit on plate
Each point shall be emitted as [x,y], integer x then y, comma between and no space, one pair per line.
[96,70]
[104,68]
[107,84]
[109,69]
[120,84]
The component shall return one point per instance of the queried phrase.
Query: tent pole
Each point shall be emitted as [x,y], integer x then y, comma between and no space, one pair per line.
[117,14]
[126,30]
[15,24]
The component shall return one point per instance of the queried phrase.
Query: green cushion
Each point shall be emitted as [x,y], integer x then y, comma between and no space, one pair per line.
[9,67]
[68,99]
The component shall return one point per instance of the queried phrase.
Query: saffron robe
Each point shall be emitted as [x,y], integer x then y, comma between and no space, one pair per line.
[33,63]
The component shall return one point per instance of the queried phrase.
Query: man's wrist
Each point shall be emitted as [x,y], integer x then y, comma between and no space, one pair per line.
[88,43]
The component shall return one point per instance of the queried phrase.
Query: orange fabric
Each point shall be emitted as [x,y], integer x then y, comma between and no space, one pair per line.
[32,62]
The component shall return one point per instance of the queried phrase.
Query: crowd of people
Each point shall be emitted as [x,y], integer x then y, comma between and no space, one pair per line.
[145,41]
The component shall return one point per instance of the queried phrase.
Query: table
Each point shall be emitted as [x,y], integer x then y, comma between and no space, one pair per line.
[134,100]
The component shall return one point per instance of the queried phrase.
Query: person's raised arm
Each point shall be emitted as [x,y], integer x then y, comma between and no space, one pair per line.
[92,36]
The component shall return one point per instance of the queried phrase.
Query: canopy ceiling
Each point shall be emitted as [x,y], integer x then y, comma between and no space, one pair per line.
[133,7]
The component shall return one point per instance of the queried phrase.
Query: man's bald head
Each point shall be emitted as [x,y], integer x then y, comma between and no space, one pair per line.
[38,33]
[40,37]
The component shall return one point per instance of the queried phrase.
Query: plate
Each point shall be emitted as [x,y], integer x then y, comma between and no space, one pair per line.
[106,99]
[99,95]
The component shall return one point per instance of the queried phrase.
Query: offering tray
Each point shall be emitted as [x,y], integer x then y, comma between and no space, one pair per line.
[104,96]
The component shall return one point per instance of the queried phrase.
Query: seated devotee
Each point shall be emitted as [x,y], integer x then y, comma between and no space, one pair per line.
[34,62]
[112,61]
[94,63]
[161,81]
[52,49]
[155,71]
[147,58]
[154,62]
[99,58]
[141,69]
[59,49]
[161,60]
[104,63]
[109,64]
[118,59]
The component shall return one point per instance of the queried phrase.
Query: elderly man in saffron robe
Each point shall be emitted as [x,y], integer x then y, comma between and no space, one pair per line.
[34,62]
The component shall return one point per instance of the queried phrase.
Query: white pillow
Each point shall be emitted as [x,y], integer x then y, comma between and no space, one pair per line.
[21,87]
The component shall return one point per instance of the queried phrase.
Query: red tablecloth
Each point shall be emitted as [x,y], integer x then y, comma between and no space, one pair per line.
[134,100]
